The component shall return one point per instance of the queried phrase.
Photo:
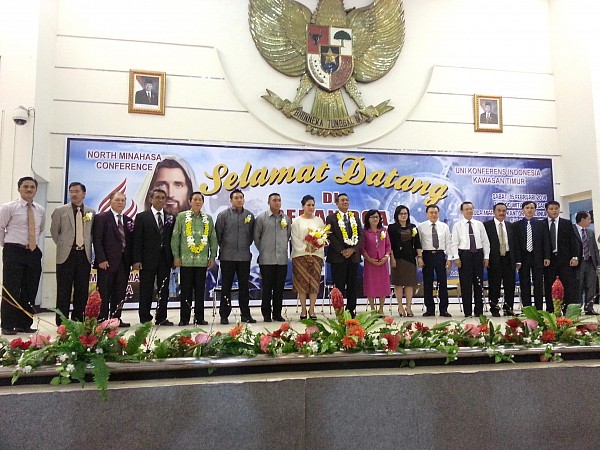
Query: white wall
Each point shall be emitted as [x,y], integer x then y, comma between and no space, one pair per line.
[73,58]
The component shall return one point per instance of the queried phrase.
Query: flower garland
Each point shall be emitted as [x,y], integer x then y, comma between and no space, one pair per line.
[190,234]
[352,241]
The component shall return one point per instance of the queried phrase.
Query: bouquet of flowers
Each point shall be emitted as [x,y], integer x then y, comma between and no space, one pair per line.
[316,239]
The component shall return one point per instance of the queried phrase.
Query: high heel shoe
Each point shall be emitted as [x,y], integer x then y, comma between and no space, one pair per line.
[401,311]
[313,317]
[302,317]
[409,313]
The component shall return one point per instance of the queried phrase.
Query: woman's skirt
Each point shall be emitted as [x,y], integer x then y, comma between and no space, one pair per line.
[405,273]
[306,273]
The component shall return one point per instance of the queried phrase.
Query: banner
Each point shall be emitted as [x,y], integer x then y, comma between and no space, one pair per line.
[372,180]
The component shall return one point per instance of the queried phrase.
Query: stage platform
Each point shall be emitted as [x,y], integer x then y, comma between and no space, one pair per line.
[340,401]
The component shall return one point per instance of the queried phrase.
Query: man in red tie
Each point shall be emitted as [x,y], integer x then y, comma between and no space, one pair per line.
[113,243]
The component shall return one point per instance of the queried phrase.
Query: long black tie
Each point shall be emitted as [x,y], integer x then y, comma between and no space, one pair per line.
[161,225]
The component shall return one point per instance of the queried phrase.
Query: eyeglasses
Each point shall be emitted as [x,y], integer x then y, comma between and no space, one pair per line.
[403,214]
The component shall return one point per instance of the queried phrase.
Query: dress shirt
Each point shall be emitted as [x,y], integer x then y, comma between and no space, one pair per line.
[13,222]
[271,238]
[461,240]
[444,237]
[556,236]
[235,233]
[116,217]
[162,214]
[497,222]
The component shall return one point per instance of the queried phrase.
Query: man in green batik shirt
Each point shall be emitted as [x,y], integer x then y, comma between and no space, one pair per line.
[194,247]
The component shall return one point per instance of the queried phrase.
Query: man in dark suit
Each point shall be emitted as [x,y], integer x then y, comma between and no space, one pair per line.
[564,256]
[113,242]
[586,280]
[533,254]
[488,116]
[343,254]
[502,263]
[152,256]
[71,230]
[146,96]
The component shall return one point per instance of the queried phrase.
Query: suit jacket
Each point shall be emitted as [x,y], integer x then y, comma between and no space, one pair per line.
[566,242]
[337,244]
[482,119]
[541,241]
[592,244]
[107,240]
[62,230]
[513,244]
[147,244]
[141,98]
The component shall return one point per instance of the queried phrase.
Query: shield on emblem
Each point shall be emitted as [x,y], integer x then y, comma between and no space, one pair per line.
[329,55]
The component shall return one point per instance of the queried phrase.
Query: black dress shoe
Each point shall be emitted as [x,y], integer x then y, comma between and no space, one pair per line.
[25,330]
[267,319]
[224,321]
[445,314]
[183,324]
[248,319]
[9,332]
[201,322]
[591,312]
[278,319]
[468,315]
[123,324]
[509,312]
[429,314]
[165,323]
[495,313]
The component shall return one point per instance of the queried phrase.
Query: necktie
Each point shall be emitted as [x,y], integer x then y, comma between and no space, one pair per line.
[435,240]
[529,237]
[586,244]
[149,97]
[78,228]
[160,223]
[347,223]
[502,239]
[121,230]
[32,244]
[553,236]
[472,243]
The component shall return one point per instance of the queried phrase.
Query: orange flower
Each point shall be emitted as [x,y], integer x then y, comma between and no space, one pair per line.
[351,322]
[564,321]
[123,342]
[348,342]
[357,330]
[236,331]
[388,320]
[285,326]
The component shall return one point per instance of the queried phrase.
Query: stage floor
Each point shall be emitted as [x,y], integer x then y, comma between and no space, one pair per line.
[45,322]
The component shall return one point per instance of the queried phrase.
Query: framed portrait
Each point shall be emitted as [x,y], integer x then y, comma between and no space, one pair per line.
[147,92]
[488,113]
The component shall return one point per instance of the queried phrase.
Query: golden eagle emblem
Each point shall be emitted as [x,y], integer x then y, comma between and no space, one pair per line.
[329,49]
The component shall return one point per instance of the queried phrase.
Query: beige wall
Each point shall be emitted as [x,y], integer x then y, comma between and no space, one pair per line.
[70,60]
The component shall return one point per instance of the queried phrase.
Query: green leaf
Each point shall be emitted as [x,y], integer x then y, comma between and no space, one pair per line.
[531,312]
[573,311]
[101,374]
[136,340]
[55,381]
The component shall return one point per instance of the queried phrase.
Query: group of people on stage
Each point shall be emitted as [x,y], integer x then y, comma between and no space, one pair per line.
[157,241]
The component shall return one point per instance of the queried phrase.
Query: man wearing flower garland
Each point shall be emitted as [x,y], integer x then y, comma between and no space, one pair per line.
[152,256]
[272,236]
[71,230]
[235,233]
[343,255]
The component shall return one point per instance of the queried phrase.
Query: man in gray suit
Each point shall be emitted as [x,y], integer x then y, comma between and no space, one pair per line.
[588,263]
[71,230]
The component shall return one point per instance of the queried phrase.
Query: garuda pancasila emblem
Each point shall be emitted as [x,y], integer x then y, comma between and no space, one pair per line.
[329,49]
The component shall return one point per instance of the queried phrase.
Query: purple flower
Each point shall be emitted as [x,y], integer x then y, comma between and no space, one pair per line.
[202,338]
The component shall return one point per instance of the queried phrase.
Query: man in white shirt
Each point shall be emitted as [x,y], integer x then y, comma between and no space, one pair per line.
[436,243]
[471,250]
[21,229]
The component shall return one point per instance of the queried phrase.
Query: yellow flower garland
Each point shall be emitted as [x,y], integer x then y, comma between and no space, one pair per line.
[353,225]
[189,233]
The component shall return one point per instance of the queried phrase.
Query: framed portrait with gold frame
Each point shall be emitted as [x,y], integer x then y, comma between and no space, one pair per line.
[147,92]
[488,113]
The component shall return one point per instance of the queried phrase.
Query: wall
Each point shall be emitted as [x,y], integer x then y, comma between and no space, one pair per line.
[79,55]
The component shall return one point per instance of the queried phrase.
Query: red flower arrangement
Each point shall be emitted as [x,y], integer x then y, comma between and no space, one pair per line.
[348,342]
[92,308]
[88,340]
[19,343]
[548,336]
[337,299]
[392,342]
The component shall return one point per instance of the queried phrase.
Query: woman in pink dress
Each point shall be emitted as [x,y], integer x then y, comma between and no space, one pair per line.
[376,249]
